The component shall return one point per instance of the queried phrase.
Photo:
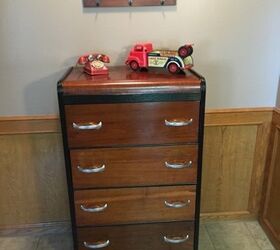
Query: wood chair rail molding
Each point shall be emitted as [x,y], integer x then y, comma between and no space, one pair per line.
[214,117]
[29,124]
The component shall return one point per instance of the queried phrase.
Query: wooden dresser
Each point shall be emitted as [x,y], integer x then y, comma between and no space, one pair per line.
[133,153]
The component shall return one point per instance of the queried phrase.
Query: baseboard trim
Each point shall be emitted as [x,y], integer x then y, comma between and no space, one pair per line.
[227,216]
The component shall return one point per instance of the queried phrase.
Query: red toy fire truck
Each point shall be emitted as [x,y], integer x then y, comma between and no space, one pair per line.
[142,55]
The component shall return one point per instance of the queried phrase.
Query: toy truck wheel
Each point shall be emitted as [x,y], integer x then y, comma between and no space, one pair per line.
[173,68]
[185,51]
[134,65]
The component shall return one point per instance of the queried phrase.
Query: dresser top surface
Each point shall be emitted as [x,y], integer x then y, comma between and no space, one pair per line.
[123,80]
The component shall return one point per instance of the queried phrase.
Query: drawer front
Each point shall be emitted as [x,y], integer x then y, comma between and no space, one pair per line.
[134,205]
[164,236]
[135,166]
[132,124]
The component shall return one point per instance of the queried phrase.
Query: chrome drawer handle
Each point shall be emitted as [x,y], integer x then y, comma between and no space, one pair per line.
[87,126]
[95,209]
[175,240]
[178,123]
[94,169]
[97,245]
[177,204]
[178,165]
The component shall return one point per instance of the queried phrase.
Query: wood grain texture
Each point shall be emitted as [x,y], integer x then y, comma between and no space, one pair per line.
[276,117]
[137,166]
[270,213]
[29,125]
[22,152]
[228,163]
[132,124]
[32,179]
[139,237]
[125,3]
[259,161]
[134,205]
[235,215]
[228,117]
[121,80]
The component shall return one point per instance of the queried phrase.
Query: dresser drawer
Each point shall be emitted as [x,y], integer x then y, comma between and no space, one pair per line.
[134,205]
[135,166]
[163,236]
[132,123]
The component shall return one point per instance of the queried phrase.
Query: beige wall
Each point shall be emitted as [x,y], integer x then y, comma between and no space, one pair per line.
[236,46]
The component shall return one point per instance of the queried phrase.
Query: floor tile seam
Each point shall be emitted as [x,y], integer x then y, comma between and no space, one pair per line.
[211,240]
[38,243]
[255,239]
[251,235]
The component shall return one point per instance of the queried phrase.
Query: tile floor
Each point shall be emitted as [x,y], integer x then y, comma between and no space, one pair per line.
[220,235]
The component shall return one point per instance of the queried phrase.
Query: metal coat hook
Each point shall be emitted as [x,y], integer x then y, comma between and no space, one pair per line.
[162,2]
[97,3]
[130,2]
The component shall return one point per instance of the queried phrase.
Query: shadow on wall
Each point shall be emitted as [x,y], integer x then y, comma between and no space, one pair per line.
[41,94]
[278,95]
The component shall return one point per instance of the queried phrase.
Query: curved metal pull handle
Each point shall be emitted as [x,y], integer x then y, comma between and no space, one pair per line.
[175,240]
[91,170]
[97,245]
[178,123]
[95,209]
[87,126]
[177,204]
[178,165]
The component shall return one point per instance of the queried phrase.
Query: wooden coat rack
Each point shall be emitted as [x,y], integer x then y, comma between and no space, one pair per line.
[126,3]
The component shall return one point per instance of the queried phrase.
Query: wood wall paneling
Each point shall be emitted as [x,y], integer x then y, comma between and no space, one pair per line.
[32,171]
[228,164]
[235,147]
[270,213]
[32,179]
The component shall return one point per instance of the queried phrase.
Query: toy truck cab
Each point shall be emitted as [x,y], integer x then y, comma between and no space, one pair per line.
[138,56]
[142,55]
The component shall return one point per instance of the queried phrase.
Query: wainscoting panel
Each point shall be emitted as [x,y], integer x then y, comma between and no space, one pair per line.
[227,168]
[33,181]
[235,148]
[270,213]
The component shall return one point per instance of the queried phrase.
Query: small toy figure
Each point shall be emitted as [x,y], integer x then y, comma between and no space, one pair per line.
[142,55]
[94,64]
